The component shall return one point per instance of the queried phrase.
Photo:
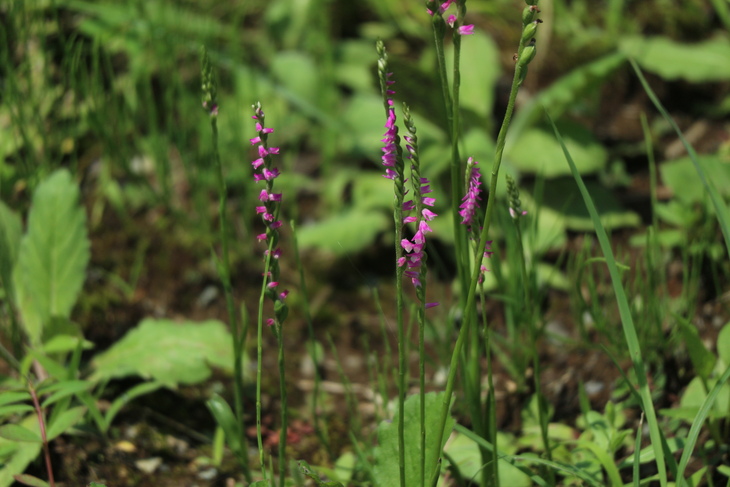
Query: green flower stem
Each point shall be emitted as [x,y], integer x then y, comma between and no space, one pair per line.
[225,274]
[284,408]
[452,117]
[469,309]
[541,407]
[260,356]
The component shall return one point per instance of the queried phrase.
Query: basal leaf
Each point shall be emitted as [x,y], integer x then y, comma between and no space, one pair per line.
[53,254]
[681,177]
[700,62]
[10,233]
[386,468]
[169,352]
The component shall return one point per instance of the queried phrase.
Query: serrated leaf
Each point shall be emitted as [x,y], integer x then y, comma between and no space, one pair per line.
[53,254]
[64,421]
[169,352]
[537,152]
[16,432]
[699,62]
[386,468]
[10,235]
[343,233]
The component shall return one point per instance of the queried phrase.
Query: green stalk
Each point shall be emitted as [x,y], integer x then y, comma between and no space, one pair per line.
[469,308]
[259,358]
[284,408]
[225,270]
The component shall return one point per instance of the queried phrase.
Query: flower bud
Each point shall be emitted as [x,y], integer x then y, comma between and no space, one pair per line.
[527,54]
[529,13]
[530,29]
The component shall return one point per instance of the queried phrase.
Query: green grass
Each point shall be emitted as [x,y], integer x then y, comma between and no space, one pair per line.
[110,92]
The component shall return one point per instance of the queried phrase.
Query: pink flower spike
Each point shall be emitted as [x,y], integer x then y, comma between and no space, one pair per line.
[272,284]
[261,236]
[466,30]
[263,195]
[428,215]
[275,197]
[260,209]
[255,140]
[257,163]
[429,201]
[451,20]
[276,225]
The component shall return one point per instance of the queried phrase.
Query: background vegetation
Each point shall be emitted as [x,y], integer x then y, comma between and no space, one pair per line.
[101,107]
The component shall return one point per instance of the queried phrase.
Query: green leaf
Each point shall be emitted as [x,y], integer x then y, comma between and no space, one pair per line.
[681,177]
[478,79]
[8,397]
[64,389]
[468,459]
[723,344]
[65,421]
[169,352]
[386,468]
[30,480]
[699,62]
[562,200]
[20,453]
[16,432]
[343,233]
[537,152]
[225,418]
[53,254]
[702,359]
[127,397]
[10,234]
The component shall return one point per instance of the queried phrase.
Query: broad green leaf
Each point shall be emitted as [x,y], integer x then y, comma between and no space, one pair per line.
[386,466]
[699,62]
[22,453]
[681,177]
[169,352]
[695,394]
[15,409]
[343,233]
[16,432]
[53,254]
[480,71]
[563,200]
[537,152]
[468,459]
[10,234]
[64,421]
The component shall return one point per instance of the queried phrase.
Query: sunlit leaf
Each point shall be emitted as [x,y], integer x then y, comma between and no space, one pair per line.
[172,353]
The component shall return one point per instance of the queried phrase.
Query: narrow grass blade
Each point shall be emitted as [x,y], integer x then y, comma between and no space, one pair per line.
[627,321]
[694,431]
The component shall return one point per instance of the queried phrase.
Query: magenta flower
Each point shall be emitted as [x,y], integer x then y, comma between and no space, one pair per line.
[390,139]
[415,247]
[466,30]
[264,172]
[442,8]
[471,199]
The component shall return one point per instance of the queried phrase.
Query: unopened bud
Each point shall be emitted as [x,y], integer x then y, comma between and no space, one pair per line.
[527,54]
[530,29]
[529,14]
